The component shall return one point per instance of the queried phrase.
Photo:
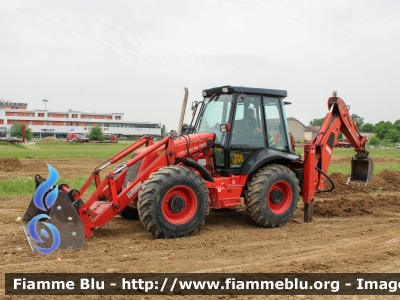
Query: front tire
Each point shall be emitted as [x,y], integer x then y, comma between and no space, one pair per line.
[173,202]
[272,195]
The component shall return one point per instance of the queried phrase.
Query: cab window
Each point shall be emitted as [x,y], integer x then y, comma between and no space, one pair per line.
[274,120]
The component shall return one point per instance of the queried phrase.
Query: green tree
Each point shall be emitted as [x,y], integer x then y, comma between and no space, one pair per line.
[374,140]
[382,128]
[163,131]
[96,134]
[340,136]
[393,135]
[358,120]
[368,127]
[317,122]
[16,130]
[396,125]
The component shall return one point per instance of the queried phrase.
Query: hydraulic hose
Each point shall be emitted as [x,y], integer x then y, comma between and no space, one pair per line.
[330,180]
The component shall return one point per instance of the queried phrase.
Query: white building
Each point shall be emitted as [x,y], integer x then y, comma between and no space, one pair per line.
[59,123]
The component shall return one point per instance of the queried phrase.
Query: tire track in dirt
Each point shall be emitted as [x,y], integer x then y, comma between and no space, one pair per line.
[337,248]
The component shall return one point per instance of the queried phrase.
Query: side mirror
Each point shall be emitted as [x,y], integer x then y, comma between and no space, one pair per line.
[186,129]
[225,127]
[194,107]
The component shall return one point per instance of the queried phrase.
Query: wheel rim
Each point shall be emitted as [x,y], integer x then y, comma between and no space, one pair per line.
[179,205]
[279,197]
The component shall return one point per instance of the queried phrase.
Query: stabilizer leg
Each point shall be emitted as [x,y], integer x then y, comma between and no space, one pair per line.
[308,212]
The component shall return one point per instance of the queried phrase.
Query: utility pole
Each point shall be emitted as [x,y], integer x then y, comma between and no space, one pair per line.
[45,101]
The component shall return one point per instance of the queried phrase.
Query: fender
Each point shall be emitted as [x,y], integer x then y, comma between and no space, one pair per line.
[195,165]
[263,156]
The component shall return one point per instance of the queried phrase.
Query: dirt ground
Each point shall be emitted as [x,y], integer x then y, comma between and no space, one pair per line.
[355,229]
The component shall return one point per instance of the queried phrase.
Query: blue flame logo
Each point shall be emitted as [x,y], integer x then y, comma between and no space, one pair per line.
[45,204]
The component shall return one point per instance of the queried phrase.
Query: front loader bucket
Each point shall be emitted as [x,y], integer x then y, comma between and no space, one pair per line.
[60,227]
[362,170]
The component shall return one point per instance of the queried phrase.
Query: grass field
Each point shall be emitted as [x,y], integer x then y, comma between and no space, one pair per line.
[25,186]
[71,150]
[47,150]
[61,150]
[377,168]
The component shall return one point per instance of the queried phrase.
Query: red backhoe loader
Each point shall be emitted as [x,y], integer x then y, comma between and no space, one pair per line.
[229,152]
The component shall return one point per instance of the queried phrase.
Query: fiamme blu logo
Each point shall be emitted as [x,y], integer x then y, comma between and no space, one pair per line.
[43,200]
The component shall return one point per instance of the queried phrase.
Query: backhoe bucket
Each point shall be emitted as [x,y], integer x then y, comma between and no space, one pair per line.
[362,170]
[60,227]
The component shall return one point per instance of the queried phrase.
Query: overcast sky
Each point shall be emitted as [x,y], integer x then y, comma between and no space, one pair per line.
[136,57]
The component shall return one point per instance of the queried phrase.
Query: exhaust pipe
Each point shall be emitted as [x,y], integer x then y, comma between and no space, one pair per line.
[185,98]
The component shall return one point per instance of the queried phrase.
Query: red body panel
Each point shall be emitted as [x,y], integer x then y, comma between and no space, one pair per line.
[225,192]
[110,198]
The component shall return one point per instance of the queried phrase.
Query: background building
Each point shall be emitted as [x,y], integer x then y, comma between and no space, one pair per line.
[311,132]
[59,123]
[296,128]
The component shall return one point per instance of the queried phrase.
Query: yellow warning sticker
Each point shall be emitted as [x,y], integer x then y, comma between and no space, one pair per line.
[237,158]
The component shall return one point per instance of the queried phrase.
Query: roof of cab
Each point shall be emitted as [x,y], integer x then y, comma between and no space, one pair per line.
[227,89]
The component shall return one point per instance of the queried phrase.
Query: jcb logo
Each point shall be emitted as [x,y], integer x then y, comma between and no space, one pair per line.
[237,158]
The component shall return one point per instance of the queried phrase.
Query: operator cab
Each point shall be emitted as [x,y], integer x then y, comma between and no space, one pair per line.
[249,125]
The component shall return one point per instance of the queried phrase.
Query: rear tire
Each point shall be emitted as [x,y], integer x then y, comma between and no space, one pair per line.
[272,195]
[173,202]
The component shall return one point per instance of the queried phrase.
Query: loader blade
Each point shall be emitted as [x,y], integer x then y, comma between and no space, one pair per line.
[33,211]
[361,170]
[65,218]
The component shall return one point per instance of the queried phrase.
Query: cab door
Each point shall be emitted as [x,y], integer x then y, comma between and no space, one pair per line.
[247,132]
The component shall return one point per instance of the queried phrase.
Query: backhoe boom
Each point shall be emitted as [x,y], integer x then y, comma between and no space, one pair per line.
[318,153]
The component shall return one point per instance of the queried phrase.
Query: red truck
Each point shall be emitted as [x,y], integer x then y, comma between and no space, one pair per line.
[344,144]
[73,137]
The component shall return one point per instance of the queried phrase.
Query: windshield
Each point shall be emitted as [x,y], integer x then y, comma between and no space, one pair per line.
[214,113]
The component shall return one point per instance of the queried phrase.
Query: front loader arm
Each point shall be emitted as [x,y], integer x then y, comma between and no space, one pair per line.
[109,198]
[318,153]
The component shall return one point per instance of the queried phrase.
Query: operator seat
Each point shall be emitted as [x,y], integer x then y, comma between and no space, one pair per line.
[241,132]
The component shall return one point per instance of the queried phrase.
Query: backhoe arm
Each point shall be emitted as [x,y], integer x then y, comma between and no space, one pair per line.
[318,153]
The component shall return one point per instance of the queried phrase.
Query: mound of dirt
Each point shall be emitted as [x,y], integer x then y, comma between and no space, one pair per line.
[391,177]
[388,181]
[49,139]
[351,205]
[344,207]
[10,164]
[357,200]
